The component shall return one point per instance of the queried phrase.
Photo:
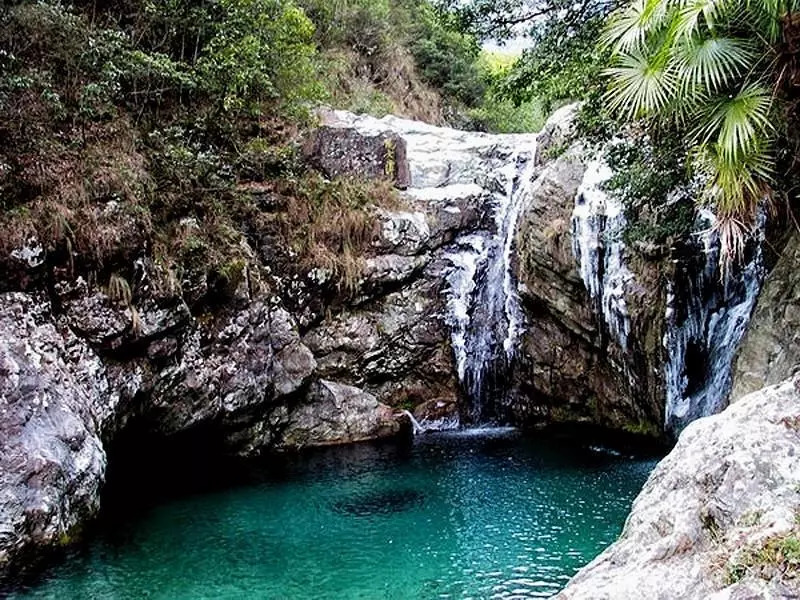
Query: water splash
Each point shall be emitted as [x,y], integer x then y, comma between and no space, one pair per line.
[432,425]
[707,316]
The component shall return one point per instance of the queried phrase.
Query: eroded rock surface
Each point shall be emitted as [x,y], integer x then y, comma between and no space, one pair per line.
[770,351]
[337,413]
[70,382]
[713,517]
[54,402]
[569,361]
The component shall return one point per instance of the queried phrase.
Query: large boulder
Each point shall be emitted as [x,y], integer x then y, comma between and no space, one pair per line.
[719,518]
[248,363]
[337,151]
[334,413]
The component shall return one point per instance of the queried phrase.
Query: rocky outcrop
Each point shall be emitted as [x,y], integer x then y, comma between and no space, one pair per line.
[770,350]
[54,401]
[71,381]
[719,518]
[337,151]
[336,414]
[570,364]
[83,364]
[255,353]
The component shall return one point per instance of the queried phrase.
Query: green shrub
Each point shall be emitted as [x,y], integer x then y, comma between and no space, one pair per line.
[648,179]
[261,50]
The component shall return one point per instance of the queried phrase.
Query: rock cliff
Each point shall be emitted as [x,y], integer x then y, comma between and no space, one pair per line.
[569,363]
[263,353]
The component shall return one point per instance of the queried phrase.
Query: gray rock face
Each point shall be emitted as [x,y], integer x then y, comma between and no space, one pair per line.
[337,151]
[336,413]
[242,371]
[712,518]
[261,375]
[65,392]
[54,402]
[770,351]
[394,347]
[569,363]
[255,360]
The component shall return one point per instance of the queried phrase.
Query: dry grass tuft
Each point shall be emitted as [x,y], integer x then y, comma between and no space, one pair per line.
[331,225]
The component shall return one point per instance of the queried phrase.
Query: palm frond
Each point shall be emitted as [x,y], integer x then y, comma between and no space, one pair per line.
[734,185]
[641,85]
[711,63]
[692,14]
[738,123]
[767,16]
[628,28]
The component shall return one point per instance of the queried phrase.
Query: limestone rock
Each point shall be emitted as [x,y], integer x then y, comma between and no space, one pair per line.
[568,363]
[54,403]
[255,358]
[109,325]
[389,345]
[334,413]
[392,269]
[728,490]
[770,351]
[437,410]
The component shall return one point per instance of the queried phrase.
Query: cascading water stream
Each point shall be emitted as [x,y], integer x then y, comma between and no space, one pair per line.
[483,308]
[598,222]
[487,319]
[707,316]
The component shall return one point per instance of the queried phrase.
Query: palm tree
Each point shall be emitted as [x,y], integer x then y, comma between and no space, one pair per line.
[712,69]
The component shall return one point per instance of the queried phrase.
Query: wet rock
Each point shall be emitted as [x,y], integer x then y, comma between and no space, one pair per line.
[570,368]
[54,403]
[770,350]
[335,413]
[340,151]
[437,409]
[699,528]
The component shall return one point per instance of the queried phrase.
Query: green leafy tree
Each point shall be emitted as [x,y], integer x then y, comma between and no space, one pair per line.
[716,71]
[261,50]
[563,61]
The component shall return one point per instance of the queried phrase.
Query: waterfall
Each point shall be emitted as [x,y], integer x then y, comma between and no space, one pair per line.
[483,307]
[468,254]
[707,316]
[598,222]
[486,317]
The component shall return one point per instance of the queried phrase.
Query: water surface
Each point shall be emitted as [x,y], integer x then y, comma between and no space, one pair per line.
[449,516]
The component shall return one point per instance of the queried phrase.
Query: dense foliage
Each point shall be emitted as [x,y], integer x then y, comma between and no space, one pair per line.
[155,128]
